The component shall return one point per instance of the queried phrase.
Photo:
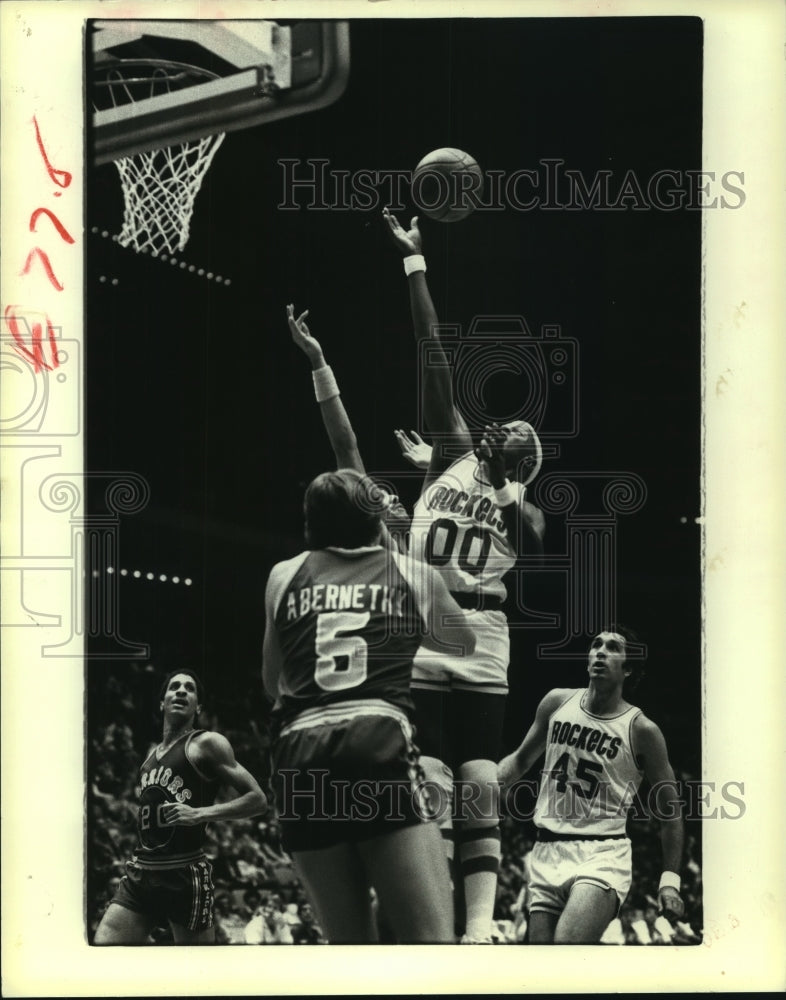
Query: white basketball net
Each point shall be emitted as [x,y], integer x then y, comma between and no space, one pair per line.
[159,189]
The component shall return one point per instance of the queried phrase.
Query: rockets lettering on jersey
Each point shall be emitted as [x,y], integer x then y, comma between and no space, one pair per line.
[585,738]
[475,505]
[457,527]
[590,774]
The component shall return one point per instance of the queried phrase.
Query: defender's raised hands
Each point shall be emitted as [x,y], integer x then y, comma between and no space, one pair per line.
[414,449]
[302,336]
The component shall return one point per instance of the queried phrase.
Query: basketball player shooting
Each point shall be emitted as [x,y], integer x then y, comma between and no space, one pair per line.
[472,522]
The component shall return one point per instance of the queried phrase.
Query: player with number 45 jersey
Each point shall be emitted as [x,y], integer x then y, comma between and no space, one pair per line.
[598,747]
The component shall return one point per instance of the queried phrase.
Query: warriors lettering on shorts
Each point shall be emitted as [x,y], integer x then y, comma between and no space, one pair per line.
[163,776]
[586,738]
[343,597]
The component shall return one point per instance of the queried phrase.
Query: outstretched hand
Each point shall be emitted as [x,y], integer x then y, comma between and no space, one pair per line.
[414,449]
[301,335]
[408,241]
[490,453]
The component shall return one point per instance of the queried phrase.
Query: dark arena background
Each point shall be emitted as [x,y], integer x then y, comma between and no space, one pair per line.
[195,389]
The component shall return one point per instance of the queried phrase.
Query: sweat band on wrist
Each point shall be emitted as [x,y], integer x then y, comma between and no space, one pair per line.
[505,494]
[669,880]
[415,262]
[325,385]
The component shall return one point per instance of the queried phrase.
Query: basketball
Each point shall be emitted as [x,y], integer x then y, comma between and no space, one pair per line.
[447,184]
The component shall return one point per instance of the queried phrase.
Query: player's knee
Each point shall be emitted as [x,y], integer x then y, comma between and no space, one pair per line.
[120,926]
[589,910]
[485,770]
[439,786]
[478,792]
[540,927]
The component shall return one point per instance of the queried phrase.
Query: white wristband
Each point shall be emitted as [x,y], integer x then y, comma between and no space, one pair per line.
[325,385]
[415,262]
[505,495]
[670,880]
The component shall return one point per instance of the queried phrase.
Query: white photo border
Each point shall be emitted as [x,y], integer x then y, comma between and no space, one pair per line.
[45,952]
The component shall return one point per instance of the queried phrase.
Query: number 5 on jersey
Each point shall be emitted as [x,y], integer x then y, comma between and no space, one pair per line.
[342,660]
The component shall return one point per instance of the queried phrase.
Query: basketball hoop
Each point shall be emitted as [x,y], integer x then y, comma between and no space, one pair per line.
[159,185]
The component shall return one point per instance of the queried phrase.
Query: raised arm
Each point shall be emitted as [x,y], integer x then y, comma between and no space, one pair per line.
[334,416]
[512,767]
[445,621]
[446,629]
[652,755]
[442,417]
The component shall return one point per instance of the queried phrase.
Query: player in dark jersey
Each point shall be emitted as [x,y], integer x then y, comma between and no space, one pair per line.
[169,877]
[598,748]
[473,521]
[343,622]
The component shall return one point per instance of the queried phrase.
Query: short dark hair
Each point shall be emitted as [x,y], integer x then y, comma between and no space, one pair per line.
[633,679]
[190,673]
[342,508]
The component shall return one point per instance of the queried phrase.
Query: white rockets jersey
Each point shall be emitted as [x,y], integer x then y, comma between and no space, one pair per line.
[590,776]
[457,527]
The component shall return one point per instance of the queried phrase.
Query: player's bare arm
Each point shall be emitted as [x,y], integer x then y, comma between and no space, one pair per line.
[447,625]
[524,521]
[522,759]
[272,656]
[653,758]
[212,754]
[442,417]
[446,628]
[334,416]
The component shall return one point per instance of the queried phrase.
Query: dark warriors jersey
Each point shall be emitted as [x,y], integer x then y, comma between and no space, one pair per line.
[164,779]
[348,622]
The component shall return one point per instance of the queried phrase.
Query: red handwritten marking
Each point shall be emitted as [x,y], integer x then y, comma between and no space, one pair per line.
[36,356]
[52,171]
[35,352]
[64,234]
[47,266]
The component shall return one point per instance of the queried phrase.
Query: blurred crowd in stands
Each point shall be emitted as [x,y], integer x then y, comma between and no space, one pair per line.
[259,899]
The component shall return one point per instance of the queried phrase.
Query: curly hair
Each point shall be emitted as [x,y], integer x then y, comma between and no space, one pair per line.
[189,673]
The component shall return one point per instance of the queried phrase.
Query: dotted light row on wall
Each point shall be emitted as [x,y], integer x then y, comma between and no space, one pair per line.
[173,261]
[138,574]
